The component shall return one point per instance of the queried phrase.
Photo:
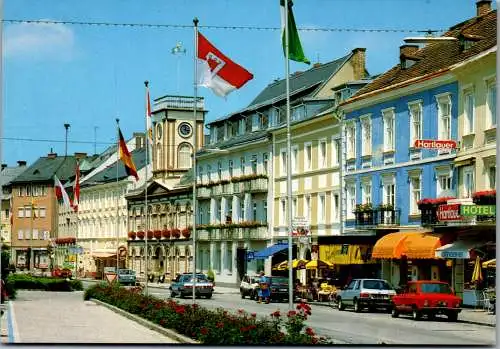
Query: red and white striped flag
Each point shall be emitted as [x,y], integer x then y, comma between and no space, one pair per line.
[61,192]
[217,72]
[148,116]
[76,188]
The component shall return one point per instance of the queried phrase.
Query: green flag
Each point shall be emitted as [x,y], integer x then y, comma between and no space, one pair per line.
[295,52]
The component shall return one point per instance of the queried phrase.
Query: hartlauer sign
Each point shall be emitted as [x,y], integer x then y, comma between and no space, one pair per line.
[435,144]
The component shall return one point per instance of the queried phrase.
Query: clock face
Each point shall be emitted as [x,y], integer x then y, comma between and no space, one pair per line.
[158,131]
[185,129]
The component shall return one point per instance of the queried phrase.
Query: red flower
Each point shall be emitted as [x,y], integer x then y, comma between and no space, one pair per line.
[314,340]
[204,331]
[309,331]
[180,309]
[220,325]
[243,329]
[253,315]
[276,314]
[162,322]
[195,306]
[291,313]
[240,311]
[252,327]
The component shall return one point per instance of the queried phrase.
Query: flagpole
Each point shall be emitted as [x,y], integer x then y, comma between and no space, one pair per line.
[195,148]
[117,191]
[146,83]
[288,164]
[77,203]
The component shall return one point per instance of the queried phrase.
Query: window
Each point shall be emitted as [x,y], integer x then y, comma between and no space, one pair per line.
[298,112]
[242,209]
[35,234]
[389,129]
[351,199]
[344,249]
[294,207]
[307,156]
[265,211]
[415,193]
[444,116]
[468,113]
[242,165]
[20,212]
[366,133]
[295,155]
[254,211]
[218,204]
[351,140]
[283,162]
[283,212]
[27,211]
[20,235]
[200,215]
[185,156]
[254,164]
[491,101]
[307,207]
[443,187]
[219,170]
[336,151]
[230,168]
[321,208]
[468,181]
[492,172]
[322,153]
[159,156]
[209,172]
[366,192]
[241,127]
[229,260]
[265,162]
[255,122]
[200,174]
[336,207]
[389,193]
[415,121]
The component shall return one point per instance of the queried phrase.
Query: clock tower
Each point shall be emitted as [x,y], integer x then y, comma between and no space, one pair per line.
[174,129]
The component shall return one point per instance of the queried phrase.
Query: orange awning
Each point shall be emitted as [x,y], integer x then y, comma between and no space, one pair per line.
[421,246]
[390,245]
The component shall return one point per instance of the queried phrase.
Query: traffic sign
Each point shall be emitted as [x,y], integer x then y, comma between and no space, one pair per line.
[110,277]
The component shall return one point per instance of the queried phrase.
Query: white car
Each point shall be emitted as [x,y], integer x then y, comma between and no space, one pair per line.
[366,293]
[249,286]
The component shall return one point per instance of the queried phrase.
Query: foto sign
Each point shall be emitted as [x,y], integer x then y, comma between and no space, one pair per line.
[435,144]
[478,210]
[449,212]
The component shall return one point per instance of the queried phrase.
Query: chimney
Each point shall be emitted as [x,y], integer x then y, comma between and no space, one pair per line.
[80,155]
[483,7]
[316,65]
[52,155]
[4,166]
[298,72]
[359,62]
[21,163]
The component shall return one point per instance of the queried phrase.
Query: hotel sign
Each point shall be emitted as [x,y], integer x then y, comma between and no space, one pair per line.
[478,210]
[435,144]
[449,212]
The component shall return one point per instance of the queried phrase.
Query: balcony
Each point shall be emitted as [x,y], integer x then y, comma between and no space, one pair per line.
[203,192]
[177,102]
[377,217]
[237,185]
[238,231]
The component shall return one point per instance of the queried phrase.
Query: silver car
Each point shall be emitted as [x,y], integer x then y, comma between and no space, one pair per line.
[183,286]
[249,286]
[366,293]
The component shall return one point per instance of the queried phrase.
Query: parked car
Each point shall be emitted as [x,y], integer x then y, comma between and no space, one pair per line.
[279,288]
[126,277]
[429,298]
[249,286]
[366,293]
[182,285]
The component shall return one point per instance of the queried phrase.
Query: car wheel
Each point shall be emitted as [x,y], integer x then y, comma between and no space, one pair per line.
[253,295]
[357,307]
[340,305]
[208,296]
[416,314]
[453,316]
[172,294]
[242,295]
[431,316]
[394,312]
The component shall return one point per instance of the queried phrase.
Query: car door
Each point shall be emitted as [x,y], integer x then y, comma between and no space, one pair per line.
[347,294]
[409,297]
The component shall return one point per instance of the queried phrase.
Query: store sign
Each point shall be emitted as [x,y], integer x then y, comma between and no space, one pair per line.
[478,210]
[453,254]
[449,212]
[435,144]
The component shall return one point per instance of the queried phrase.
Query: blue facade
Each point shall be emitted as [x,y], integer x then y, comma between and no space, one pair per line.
[403,163]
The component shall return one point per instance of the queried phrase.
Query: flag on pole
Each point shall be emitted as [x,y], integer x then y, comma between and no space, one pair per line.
[76,188]
[295,51]
[126,157]
[216,71]
[148,116]
[61,192]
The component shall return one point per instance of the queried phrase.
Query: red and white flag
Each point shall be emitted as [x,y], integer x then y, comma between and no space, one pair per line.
[61,192]
[148,116]
[76,189]
[217,72]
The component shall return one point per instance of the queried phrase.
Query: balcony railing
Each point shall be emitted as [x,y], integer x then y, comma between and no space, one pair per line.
[177,102]
[377,217]
[232,233]
[253,185]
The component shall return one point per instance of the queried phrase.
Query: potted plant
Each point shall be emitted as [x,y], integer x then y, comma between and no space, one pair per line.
[176,233]
[150,234]
[132,235]
[165,233]
[140,234]
[157,234]
[186,232]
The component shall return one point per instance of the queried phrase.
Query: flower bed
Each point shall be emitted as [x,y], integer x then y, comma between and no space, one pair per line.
[27,282]
[211,327]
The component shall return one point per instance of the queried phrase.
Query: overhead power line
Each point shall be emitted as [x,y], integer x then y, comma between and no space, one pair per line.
[222,27]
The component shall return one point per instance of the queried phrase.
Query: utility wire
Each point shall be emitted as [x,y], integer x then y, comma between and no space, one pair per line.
[223,27]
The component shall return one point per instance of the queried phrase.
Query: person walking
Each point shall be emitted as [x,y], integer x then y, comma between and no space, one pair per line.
[264,290]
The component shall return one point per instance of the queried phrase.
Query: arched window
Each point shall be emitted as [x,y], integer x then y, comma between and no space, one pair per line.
[184,155]
[159,156]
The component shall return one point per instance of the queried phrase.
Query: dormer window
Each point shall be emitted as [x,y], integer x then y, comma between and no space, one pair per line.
[468,40]
[255,122]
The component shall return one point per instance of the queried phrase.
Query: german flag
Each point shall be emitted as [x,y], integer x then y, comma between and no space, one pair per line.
[127,158]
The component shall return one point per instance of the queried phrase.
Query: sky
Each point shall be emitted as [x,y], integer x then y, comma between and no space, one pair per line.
[88,76]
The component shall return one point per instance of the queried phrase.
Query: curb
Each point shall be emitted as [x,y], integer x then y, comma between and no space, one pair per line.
[164,331]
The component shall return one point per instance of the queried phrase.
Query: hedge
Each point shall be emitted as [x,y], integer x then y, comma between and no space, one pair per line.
[28,282]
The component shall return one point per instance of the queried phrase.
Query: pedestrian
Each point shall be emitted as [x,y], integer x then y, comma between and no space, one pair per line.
[264,291]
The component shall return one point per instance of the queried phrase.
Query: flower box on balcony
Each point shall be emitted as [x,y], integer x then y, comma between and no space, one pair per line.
[150,234]
[157,234]
[140,234]
[186,233]
[175,233]
[132,235]
[486,197]
[165,233]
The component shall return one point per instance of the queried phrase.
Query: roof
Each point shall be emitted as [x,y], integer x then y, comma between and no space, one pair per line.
[9,173]
[44,168]
[109,174]
[185,180]
[235,141]
[439,56]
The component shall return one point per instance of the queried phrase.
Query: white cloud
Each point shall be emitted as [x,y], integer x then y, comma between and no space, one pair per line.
[39,40]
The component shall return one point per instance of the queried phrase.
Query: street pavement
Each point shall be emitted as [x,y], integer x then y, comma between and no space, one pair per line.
[64,317]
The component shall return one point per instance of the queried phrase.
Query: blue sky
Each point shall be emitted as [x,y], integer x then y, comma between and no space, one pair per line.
[89,75]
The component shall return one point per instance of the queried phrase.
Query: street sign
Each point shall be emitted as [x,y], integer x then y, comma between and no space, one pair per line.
[435,144]
[110,277]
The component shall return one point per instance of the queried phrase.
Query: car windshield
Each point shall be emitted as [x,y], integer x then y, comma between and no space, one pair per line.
[435,288]
[254,280]
[376,285]
[199,278]
[126,271]
[278,280]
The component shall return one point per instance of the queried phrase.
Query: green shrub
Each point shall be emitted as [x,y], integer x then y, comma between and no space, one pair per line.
[27,282]
[211,327]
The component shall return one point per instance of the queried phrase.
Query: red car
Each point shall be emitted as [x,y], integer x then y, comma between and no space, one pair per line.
[429,298]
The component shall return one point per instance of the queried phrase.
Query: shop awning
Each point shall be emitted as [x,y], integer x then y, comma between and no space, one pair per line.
[103,254]
[421,246]
[492,263]
[268,251]
[391,245]
[456,250]
[345,254]
[319,264]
